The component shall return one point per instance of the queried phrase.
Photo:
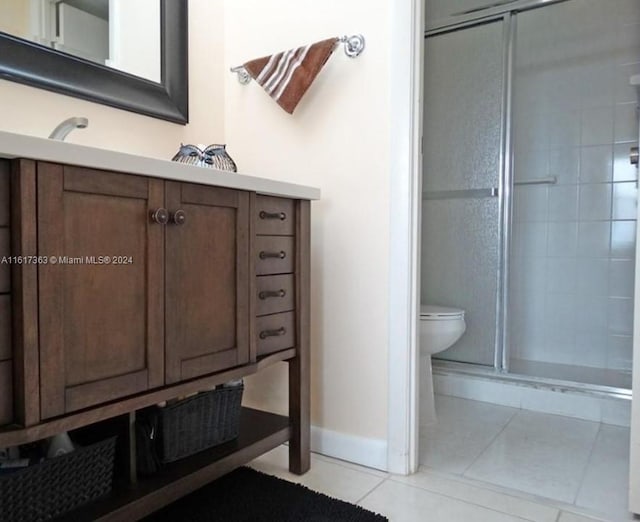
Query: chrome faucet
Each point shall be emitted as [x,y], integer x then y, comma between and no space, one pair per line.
[61,131]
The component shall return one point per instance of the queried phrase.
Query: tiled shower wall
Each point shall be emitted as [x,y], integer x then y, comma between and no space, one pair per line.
[573,246]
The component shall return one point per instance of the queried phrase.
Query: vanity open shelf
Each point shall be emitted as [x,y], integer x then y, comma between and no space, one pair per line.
[259,432]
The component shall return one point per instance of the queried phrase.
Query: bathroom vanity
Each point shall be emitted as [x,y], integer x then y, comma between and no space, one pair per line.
[128,281]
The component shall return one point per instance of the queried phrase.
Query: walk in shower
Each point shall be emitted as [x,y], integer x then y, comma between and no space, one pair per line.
[529,198]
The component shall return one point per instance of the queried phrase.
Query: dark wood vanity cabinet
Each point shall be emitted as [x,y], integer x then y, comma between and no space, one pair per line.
[138,290]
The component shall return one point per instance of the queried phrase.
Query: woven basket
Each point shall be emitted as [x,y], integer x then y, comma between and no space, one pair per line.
[199,422]
[55,486]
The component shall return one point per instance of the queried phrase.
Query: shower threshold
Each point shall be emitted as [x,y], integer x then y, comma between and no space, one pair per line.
[581,380]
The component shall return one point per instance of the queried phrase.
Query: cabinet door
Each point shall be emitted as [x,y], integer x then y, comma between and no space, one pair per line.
[207,281]
[101,323]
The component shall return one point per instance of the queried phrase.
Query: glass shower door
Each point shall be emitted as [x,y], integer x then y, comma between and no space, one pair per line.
[575,193]
[463,122]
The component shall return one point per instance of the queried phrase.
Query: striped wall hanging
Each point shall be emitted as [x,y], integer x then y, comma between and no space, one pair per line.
[287,75]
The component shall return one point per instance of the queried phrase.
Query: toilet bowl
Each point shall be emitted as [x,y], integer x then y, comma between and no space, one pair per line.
[440,328]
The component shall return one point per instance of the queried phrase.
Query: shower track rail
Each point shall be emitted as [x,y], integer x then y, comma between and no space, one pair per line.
[492,12]
[492,374]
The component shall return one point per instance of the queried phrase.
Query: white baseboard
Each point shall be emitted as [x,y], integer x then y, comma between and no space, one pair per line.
[371,453]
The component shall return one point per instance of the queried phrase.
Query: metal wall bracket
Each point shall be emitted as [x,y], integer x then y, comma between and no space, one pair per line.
[353,45]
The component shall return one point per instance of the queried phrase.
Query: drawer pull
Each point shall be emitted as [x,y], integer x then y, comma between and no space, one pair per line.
[273,333]
[272,215]
[278,255]
[266,294]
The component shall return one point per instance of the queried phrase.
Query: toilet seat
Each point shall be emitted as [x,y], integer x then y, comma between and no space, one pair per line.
[440,313]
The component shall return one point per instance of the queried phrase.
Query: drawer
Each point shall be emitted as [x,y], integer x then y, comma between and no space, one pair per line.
[274,216]
[274,294]
[275,332]
[6,393]
[274,255]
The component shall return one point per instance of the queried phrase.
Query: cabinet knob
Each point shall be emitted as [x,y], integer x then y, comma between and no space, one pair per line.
[273,333]
[179,217]
[160,216]
[278,255]
[266,294]
[272,215]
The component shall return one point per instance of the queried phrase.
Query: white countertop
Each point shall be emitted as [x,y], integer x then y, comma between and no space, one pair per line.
[30,147]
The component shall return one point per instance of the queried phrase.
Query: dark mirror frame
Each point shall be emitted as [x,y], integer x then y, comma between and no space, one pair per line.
[32,64]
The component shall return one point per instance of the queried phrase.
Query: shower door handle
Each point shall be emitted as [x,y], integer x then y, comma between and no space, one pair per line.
[634,156]
[492,192]
[551,180]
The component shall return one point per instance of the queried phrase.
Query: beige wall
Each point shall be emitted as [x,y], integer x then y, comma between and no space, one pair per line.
[14,17]
[36,112]
[338,139]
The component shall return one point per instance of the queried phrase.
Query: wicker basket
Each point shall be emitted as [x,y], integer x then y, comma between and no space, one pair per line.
[53,487]
[199,422]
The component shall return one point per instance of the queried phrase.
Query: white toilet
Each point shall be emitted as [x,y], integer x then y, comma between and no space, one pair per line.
[440,328]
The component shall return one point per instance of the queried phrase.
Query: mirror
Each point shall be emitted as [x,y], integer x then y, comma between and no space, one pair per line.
[130,54]
[122,34]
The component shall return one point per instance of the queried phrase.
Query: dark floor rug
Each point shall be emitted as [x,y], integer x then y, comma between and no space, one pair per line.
[247,495]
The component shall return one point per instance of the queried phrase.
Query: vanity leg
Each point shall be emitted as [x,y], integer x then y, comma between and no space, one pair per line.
[299,452]
[299,366]
[132,454]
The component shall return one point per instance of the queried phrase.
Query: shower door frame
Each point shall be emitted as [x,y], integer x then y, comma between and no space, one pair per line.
[495,11]
[505,171]
[504,176]
[507,12]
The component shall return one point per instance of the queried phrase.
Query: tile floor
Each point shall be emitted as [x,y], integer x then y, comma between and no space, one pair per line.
[486,463]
